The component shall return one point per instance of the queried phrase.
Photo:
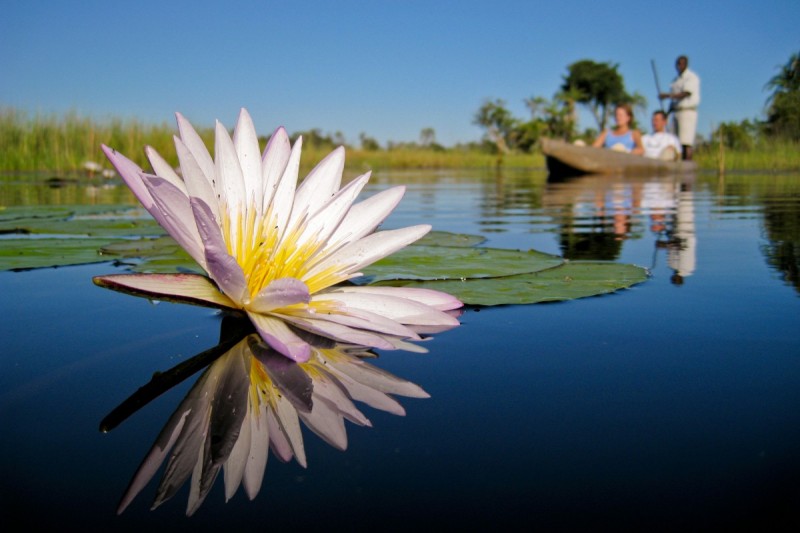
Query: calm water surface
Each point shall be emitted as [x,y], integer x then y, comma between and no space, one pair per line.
[673,404]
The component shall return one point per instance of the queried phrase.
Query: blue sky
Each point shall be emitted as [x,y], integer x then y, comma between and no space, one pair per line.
[386,68]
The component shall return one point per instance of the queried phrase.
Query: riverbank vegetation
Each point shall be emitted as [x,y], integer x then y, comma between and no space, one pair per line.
[71,142]
[65,144]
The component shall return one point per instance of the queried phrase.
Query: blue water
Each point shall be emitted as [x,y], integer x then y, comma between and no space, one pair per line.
[674,404]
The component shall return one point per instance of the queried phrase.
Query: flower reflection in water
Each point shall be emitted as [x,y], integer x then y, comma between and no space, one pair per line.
[252,399]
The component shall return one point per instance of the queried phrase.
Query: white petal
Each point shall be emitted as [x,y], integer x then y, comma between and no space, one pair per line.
[286,415]
[338,332]
[362,393]
[321,225]
[151,463]
[319,186]
[190,288]
[283,198]
[326,422]
[229,172]
[376,378]
[259,446]
[163,169]
[198,185]
[393,307]
[365,216]
[235,465]
[332,391]
[436,299]
[358,254]
[197,147]
[245,141]
[274,160]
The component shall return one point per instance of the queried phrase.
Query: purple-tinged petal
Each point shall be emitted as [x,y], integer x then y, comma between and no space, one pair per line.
[187,288]
[221,266]
[172,211]
[131,175]
[278,335]
[280,293]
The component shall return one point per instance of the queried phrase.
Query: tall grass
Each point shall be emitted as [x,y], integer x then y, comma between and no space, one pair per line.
[62,144]
[770,155]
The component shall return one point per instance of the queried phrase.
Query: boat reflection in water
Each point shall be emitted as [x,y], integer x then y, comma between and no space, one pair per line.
[252,399]
[597,213]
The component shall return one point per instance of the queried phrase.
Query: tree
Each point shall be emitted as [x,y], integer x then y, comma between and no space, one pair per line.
[427,137]
[368,143]
[783,105]
[599,86]
[493,117]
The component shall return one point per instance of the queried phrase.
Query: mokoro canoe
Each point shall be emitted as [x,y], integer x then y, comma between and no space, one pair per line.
[565,160]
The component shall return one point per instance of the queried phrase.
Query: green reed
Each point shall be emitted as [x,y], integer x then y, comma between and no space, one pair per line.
[765,155]
[63,144]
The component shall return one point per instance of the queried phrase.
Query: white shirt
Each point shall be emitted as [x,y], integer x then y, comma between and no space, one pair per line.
[655,143]
[688,82]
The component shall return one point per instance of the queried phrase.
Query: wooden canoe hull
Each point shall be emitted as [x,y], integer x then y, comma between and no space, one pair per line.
[565,160]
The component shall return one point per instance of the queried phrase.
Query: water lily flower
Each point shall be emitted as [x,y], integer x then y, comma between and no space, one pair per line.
[252,399]
[274,250]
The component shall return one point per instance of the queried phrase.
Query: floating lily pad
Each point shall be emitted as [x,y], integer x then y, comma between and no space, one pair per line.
[454,262]
[161,255]
[445,238]
[572,280]
[27,253]
[102,220]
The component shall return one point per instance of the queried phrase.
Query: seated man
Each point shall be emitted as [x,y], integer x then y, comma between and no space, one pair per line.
[661,144]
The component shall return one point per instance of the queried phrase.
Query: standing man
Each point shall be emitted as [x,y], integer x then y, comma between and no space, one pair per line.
[685,95]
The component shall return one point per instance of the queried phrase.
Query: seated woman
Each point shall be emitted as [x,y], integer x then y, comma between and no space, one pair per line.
[622,137]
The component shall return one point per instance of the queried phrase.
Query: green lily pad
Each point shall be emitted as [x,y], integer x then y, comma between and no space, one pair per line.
[456,262]
[445,238]
[28,253]
[102,220]
[572,280]
[160,255]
